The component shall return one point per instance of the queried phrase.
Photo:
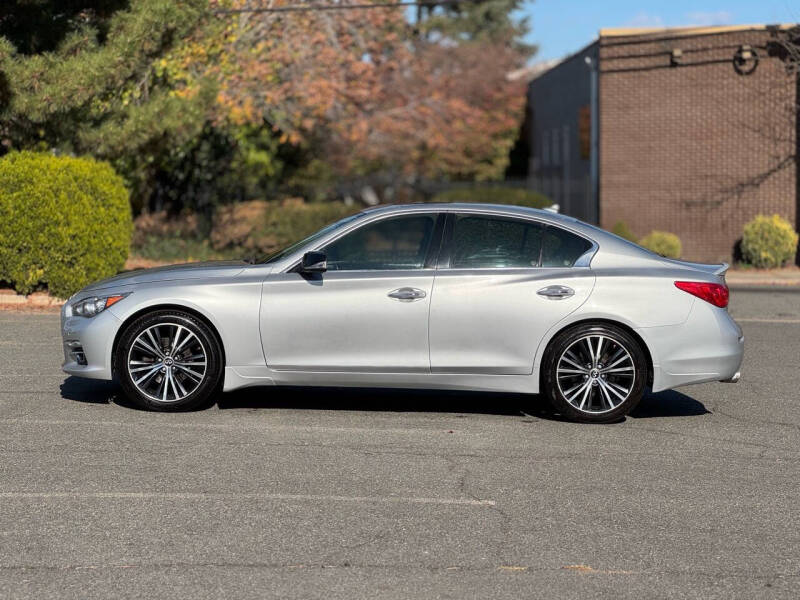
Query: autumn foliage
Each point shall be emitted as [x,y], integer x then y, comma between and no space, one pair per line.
[197,107]
[362,88]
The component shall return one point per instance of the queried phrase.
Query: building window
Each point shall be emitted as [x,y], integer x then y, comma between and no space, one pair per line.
[585,131]
[556,153]
[546,149]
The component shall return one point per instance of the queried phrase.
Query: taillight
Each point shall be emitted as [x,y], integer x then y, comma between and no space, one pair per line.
[715,293]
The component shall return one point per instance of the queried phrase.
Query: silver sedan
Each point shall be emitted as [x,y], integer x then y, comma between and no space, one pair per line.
[450,296]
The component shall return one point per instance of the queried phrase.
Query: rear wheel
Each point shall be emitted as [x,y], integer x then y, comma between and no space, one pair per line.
[168,361]
[595,373]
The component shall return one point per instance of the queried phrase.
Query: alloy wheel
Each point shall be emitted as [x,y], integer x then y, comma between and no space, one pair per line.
[596,374]
[167,362]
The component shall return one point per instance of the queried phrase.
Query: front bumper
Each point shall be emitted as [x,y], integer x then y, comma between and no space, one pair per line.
[93,338]
[708,346]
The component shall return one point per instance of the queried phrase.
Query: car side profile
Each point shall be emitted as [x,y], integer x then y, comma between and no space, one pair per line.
[434,296]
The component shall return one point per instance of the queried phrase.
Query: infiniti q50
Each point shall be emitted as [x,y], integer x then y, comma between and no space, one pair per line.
[450,296]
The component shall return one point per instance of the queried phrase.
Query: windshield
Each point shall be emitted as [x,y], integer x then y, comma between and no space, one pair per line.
[271,258]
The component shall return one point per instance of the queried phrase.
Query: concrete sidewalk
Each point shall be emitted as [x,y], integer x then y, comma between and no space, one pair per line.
[789,276]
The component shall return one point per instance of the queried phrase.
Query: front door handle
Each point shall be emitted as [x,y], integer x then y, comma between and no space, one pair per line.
[556,292]
[407,294]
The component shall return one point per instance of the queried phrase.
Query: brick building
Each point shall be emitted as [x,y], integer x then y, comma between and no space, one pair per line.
[657,128]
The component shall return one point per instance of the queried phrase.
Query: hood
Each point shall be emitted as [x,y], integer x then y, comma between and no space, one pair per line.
[199,270]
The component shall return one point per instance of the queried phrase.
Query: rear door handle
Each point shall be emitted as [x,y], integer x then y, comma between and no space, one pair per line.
[556,292]
[407,294]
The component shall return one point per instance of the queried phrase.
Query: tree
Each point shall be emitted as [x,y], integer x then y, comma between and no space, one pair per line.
[88,81]
[188,103]
[369,95]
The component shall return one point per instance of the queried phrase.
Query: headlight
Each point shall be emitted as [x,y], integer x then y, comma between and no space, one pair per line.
[89,307]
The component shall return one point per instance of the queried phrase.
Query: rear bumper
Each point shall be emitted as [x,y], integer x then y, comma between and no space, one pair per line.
[708,346]
[735,379]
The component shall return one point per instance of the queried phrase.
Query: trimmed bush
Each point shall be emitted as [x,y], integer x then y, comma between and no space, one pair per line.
[260,227]
[64,222]
[768,242]
[622,230]
[495,195]
[663,243]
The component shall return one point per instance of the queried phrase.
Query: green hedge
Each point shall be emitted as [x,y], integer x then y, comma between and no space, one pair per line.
[768,242]
[259,227]
[64,222]
[495,195]
[663,243]
[622,230]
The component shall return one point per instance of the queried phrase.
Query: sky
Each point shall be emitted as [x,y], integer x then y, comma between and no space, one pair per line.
[561,27]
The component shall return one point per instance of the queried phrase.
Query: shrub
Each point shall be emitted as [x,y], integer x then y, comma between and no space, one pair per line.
[768,242]
[495,195]
[64,222]
[622,230]
[663,243]
[260,227]
[160,224]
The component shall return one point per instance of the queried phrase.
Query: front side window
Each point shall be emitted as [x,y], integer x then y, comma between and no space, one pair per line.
[481,242]
[390,244]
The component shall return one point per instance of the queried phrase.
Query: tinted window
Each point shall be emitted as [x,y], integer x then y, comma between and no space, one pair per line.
[491,242]
[397,243]
[561,248]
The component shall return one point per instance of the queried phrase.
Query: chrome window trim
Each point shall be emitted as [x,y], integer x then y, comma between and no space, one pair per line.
[372,215]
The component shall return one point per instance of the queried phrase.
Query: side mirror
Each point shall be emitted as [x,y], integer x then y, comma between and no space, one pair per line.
[314,262]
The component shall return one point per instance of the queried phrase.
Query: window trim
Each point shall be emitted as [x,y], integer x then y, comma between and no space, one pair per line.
[431,256]
[445,255]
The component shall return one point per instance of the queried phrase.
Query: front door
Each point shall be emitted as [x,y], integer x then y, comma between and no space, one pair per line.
[367,313]
[505,283]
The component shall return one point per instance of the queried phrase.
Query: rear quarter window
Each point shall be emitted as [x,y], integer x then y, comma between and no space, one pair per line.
[561,248]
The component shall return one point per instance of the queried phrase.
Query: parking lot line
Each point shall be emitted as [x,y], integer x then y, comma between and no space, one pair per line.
[243,496]
[759,320]
[252,424]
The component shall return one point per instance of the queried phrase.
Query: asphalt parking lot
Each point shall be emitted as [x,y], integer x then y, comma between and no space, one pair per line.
[366,494]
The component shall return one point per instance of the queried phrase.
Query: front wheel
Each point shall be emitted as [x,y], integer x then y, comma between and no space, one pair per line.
[595,373]
[168,360]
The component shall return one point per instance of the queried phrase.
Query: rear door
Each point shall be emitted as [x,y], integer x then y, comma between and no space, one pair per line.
[502,283]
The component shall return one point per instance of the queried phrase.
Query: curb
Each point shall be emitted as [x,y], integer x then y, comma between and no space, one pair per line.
[9,300]
[780,288]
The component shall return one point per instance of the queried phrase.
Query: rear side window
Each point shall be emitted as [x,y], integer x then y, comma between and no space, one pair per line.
[481,242]
[561,248]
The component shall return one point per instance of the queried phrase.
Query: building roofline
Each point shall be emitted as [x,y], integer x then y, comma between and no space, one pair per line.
[654,34]
[688,30]
[558,62]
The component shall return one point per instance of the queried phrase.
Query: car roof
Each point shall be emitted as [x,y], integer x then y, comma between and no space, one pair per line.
[488,208]
[471,207]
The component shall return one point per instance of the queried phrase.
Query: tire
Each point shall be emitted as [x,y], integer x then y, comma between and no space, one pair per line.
[588,386]
[156,373]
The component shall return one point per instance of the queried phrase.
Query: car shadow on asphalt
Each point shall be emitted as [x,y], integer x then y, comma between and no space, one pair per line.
[89,391]
[670,403]
[663,404]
